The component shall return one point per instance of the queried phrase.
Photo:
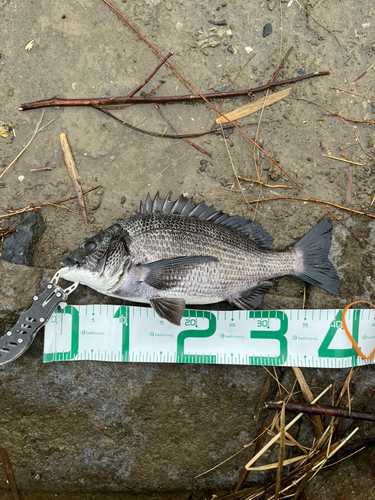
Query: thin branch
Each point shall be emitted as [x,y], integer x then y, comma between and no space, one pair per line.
[263,184]
[328,411]
[342,159]
[9,474]
[315,201]
[32,208]
[354,93]
[343,118]
[362,75]
[152,74]
[8,232]
[106,101]
[168,136]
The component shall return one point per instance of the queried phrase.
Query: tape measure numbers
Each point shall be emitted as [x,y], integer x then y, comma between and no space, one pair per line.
[306,338]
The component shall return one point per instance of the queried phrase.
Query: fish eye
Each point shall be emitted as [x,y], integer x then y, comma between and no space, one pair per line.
[90,246]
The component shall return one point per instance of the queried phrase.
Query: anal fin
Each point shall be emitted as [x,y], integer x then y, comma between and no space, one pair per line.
[253,297]
[169,309]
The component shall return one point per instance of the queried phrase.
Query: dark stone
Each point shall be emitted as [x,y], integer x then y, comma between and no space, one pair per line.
[203,166]
[230,49]
[267,30]
[19,247]
[373,107]
[301,72]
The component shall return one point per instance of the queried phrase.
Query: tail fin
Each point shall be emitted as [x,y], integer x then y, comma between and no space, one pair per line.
[315,267]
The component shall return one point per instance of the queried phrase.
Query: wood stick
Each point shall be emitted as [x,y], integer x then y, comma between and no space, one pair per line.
[105,101]
[8,232]
[73,172]
[9,474]
[42,169]
[328,411]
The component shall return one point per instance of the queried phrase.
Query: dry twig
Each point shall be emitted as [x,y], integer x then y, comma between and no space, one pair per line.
[33,208]
[327,411]
[73,172]
[343,159]
[9,474]
[296,198]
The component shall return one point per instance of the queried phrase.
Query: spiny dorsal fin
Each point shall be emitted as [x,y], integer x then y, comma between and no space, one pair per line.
[183,206]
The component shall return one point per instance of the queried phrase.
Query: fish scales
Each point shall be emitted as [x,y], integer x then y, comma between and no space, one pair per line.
[175,253]
[241,263]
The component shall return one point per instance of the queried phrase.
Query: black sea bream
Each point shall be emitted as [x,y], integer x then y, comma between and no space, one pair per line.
[177,253]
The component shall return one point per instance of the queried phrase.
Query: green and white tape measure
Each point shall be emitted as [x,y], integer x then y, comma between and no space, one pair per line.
[306,338]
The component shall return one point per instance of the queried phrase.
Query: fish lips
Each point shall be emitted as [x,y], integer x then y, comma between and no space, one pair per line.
[69,262]
[72,263]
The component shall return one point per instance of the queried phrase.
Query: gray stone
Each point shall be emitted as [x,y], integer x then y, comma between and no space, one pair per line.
[267,30]
[19,247]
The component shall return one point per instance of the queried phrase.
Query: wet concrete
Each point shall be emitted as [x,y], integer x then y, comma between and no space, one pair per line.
[160,425]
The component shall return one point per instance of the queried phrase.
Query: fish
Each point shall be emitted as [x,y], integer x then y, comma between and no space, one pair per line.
[176,253]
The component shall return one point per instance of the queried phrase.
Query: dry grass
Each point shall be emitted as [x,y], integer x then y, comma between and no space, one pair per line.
[304,462]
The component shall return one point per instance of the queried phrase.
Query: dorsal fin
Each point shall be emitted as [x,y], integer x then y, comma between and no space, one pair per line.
[183,206]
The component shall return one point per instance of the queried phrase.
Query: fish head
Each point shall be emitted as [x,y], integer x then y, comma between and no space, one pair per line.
[100,262]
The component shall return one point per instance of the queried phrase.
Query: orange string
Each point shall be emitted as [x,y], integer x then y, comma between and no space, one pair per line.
[354,343]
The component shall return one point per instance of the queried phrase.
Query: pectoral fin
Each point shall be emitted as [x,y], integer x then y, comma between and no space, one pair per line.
[165,274]
[169,309]
[253,297]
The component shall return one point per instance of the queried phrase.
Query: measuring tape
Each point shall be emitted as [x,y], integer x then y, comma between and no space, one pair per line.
[305,338]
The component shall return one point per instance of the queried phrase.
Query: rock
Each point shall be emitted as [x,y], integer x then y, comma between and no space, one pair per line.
[267,30]
[203,166]
[18,285]
[274,172]
[18,248]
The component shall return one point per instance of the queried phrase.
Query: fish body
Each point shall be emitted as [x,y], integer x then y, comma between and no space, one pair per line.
[173,254]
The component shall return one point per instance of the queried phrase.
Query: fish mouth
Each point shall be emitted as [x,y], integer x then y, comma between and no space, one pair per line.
[69,262]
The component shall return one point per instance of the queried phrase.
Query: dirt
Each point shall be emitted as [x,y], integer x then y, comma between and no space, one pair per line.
[82,49]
